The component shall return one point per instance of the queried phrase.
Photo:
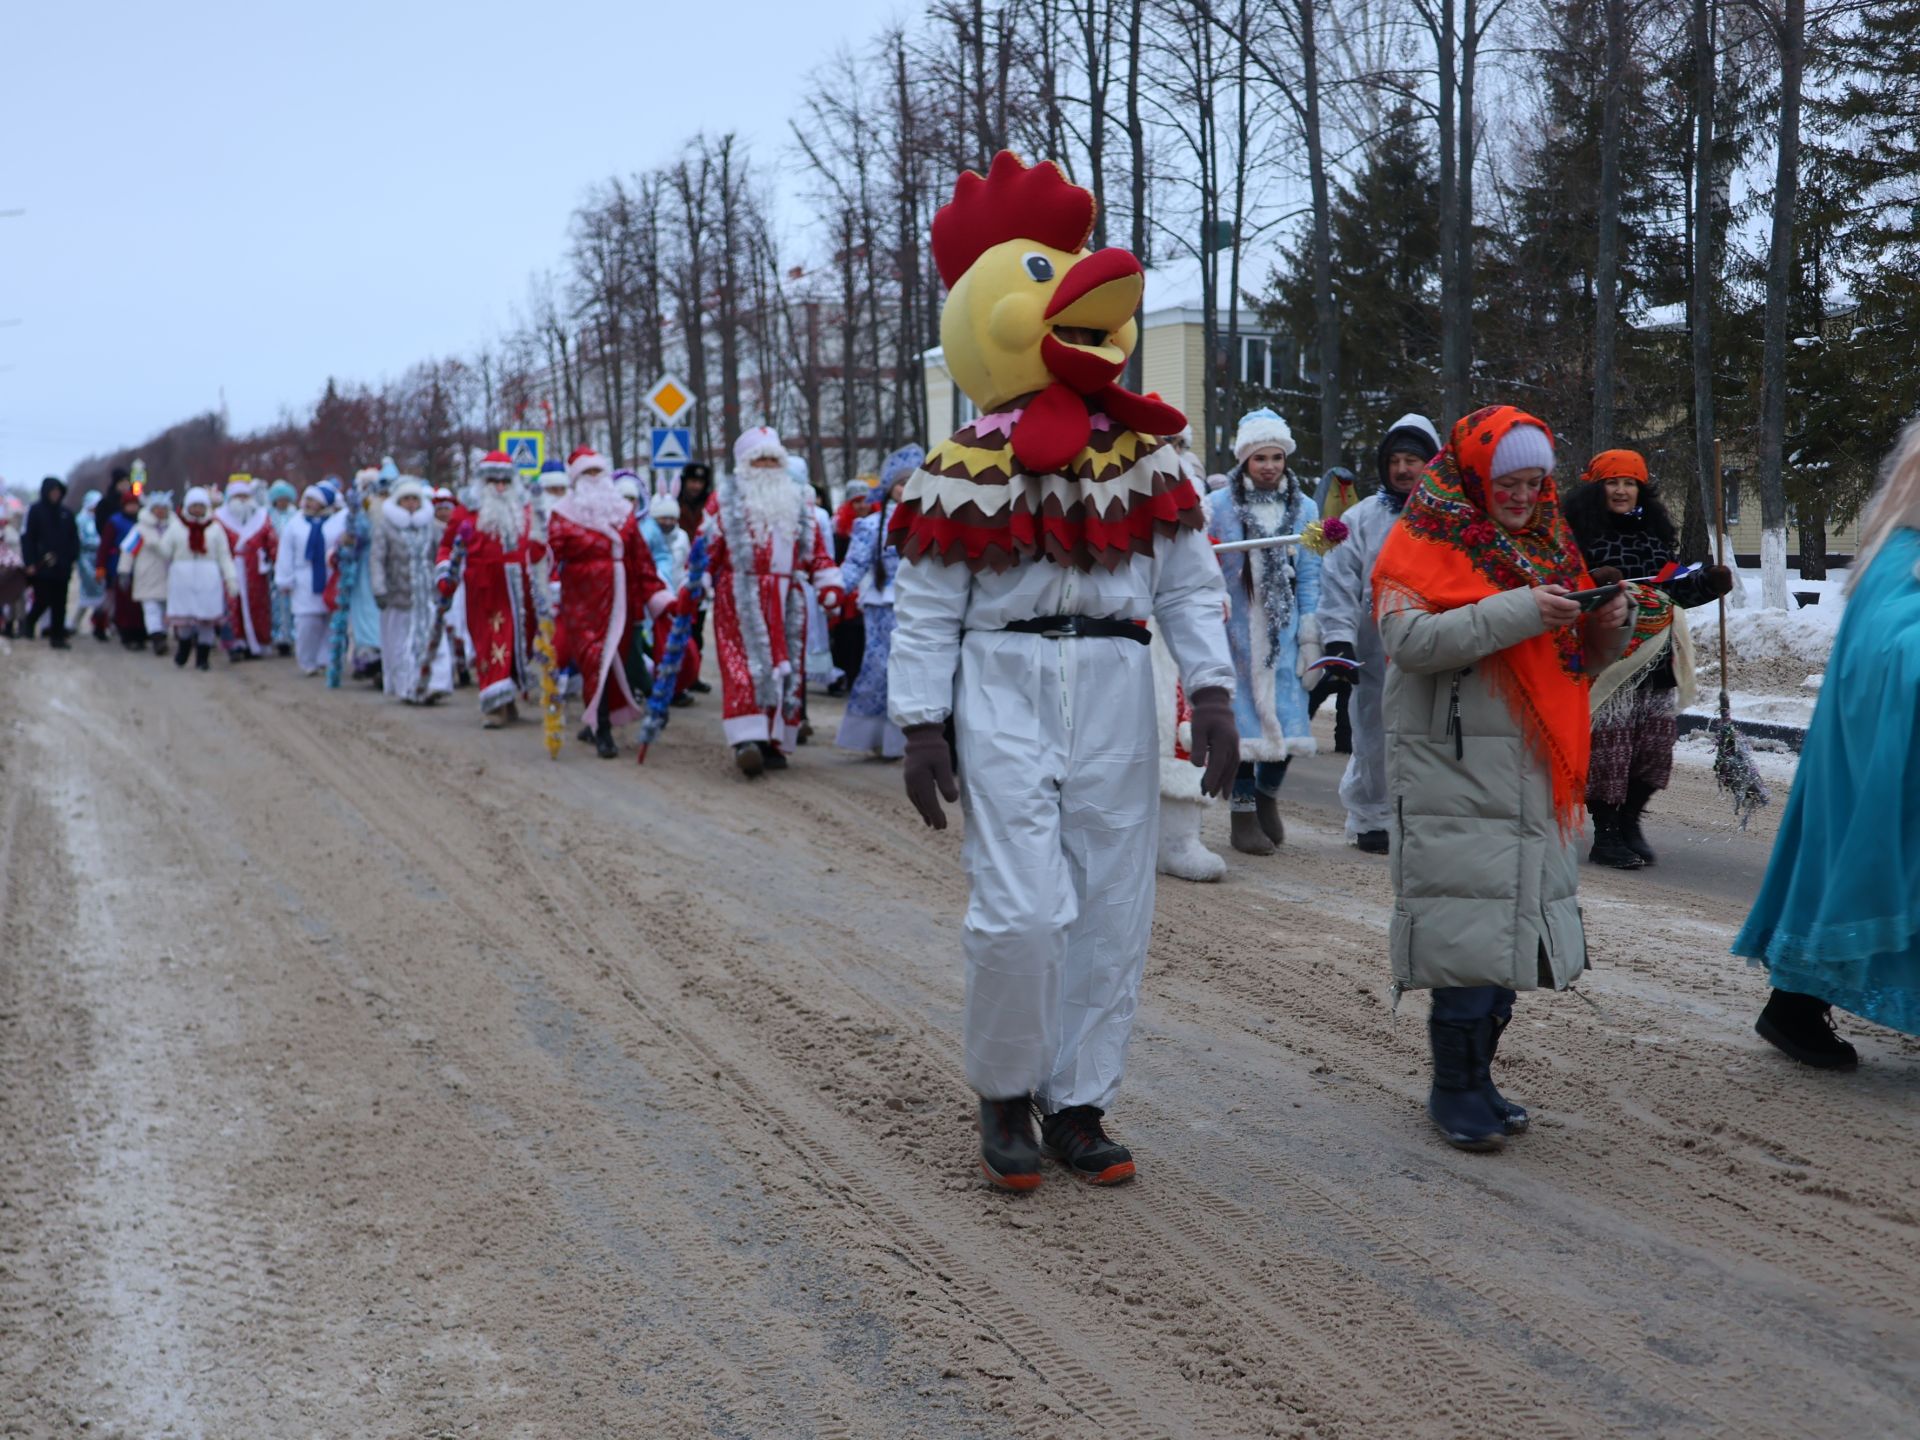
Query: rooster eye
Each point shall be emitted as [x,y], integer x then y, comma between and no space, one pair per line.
[1040,268]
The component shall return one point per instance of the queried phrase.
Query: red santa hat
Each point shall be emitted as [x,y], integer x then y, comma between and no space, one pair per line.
[586,459]
[442,495]
[496,463]
[760,441]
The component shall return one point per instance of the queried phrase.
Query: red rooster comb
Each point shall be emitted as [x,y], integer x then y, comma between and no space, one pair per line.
[1013,202]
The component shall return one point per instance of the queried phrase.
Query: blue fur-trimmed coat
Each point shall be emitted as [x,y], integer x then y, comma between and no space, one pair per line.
[1269,703]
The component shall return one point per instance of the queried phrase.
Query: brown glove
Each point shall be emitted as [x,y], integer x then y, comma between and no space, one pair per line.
[1719,579]
[1606,575]
[1216,739]
[929,772]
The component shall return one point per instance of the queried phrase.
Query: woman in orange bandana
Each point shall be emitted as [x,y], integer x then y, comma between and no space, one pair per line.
[1487,732]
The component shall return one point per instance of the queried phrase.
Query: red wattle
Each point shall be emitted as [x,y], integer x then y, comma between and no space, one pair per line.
[1140,412]
[1054,429]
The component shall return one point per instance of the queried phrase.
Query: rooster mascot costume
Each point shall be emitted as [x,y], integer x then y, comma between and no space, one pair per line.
[763,533]
[497,576]
[1035,544]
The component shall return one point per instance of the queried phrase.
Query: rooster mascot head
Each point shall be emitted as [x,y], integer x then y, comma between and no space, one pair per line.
[1036,331]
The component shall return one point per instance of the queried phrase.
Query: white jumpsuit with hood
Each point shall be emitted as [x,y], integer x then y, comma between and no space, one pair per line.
[1058,748]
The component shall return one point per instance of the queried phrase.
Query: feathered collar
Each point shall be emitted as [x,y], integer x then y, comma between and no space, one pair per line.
[973,503]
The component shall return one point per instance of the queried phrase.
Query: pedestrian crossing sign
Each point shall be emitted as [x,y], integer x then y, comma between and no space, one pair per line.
[526,448]
[671,447]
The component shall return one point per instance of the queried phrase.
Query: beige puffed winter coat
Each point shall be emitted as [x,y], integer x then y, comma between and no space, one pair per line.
[150,561]
[1485,884]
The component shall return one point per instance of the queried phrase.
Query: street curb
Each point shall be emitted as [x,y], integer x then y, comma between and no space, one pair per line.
[1793,736]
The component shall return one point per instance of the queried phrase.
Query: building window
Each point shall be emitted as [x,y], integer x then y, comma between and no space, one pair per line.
[1730,479]
[1261,362]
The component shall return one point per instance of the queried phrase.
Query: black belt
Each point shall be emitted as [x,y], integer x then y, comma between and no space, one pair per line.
[1056,627]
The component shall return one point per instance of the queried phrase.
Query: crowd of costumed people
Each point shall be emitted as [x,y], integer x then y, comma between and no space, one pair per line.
[1057,620]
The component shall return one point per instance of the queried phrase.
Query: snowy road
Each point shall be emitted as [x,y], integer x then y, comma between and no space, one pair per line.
[364,1074]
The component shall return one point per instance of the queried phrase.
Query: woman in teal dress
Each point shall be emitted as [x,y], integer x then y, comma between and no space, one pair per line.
[1837,921]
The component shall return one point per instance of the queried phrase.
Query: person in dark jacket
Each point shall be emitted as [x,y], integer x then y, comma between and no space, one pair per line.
[50,546]
[1620,525]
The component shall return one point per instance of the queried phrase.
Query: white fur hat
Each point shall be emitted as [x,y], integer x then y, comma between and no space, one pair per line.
[409,485]
[629,486]
[665,509]
[1258,430]
[197,496]
[761,440]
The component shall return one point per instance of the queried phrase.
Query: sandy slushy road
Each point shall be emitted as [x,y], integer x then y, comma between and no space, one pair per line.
[364,1074]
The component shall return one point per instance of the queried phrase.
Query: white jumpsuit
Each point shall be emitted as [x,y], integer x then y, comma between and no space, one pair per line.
[1346,613]
[1060,778]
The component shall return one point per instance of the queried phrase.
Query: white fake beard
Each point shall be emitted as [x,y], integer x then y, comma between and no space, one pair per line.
[241,510]
[544,501]
[771,502]
[500,514]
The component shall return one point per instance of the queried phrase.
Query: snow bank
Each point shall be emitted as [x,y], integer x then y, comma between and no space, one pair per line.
[1770,651]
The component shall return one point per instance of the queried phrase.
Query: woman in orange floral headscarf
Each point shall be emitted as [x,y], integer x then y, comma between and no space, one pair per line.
[1487,733]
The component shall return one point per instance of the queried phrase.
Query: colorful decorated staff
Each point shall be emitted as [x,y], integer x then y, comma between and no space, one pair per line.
[553,720]
[443,602]
[353,546]
[666,666]
[1320,536]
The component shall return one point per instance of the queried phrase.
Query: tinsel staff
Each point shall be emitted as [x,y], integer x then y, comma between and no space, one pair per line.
[553,720]
[1733,767]
[443,602]
[666,666]
[1320,536]
[353,544]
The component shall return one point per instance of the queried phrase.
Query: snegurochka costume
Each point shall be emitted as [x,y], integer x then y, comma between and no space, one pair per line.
[1036,542]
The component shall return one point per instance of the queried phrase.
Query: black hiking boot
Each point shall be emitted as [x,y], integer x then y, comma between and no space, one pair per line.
[1371,842]
[1457,1103]
[770,757]
[746,755]
[1802,1026]
[1008,1157]
[182,648]
[1609,848]
[585,735]
[603,745]
[1073,1138]
[1631,835]
[201,654]
[1514,1118]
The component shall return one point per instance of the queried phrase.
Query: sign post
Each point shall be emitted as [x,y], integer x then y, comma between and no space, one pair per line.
[526,449]
[672,442]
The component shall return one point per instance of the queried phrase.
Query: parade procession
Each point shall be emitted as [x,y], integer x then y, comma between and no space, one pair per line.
[1013,824]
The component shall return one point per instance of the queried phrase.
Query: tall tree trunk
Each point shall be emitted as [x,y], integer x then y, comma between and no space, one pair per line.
[728,311]
[1137,146]
[1452,341]
[1326,314]
[1460,380]
[1813,535]
[1607,251]
[1790,34]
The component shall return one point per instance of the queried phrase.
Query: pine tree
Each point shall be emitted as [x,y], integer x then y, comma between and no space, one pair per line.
[1386,267]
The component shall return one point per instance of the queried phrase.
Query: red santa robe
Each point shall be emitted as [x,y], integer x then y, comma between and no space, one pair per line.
[607,583]
[501,618]
[760,612]
[254,546]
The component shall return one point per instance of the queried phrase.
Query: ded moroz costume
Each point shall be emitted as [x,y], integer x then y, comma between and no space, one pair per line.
[252,538]
[1036,542]
[607,586]
[497,578]
[871,566]
[763,539]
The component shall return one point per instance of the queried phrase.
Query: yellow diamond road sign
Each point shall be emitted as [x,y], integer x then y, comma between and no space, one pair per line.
[670,398]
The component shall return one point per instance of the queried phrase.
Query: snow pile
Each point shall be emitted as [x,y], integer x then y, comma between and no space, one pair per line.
[1773,652]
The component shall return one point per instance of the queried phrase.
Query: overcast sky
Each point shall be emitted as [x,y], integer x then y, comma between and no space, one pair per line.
[248,197]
